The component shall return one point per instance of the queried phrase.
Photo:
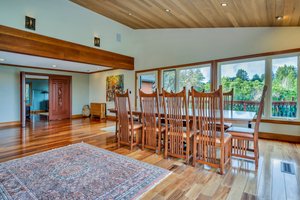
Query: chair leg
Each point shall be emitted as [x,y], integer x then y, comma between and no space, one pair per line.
[143,138]
[256,154]
[188,150]
[194,151]
[166,146]
[159,142]
[222,161]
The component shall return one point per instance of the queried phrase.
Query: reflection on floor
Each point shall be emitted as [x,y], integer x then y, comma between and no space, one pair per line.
[240,182]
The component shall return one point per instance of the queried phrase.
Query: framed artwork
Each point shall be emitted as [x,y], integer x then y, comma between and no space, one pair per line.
[114,83]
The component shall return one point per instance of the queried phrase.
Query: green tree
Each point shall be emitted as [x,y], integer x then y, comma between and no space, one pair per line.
[242,74]
[191,77]
[256,78]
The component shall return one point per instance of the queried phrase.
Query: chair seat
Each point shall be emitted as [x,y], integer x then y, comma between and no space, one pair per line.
[163,129]
[241,132]
[227,137]
[135,126]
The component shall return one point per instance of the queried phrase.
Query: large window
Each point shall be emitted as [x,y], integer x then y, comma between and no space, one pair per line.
[169,80]
[247,79]
[284,87]
[197,76]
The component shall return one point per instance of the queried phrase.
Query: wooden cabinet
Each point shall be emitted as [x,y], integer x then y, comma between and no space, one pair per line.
[98,110]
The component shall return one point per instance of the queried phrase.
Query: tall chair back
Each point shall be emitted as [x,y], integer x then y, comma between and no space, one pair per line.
[228,100]
[124,117]
[260,111]
[209,125]
[151,136]
[177,142]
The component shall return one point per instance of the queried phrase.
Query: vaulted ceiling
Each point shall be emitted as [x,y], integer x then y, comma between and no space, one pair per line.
[147,14]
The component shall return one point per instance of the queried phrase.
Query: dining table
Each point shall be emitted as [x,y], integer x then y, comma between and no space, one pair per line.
[228,115]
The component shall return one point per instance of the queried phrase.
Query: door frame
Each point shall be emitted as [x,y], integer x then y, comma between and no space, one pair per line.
[22,93]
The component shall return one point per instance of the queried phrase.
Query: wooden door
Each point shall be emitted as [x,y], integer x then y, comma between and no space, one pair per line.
[59,97]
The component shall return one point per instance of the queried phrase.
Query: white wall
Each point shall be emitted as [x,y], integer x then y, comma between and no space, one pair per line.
[98,86]
[68,21]
[10,91]
[158,48]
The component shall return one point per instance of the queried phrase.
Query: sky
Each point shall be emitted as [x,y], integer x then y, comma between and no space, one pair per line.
[256,67]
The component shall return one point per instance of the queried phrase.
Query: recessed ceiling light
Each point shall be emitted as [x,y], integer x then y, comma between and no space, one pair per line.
[279,18]
[2,59]
[129,14]
[167,10]
[53,66]
[224,4]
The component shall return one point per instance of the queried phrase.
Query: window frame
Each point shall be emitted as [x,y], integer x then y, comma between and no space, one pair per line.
[268,81]
[177,76]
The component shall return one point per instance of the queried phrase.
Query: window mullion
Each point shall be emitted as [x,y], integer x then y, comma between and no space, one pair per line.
[268,82]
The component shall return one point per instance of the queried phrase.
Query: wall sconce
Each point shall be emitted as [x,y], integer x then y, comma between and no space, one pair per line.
[29,23]
[97,41]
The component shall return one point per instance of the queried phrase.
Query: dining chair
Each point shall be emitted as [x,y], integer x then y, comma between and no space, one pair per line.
[210,146]
[152,129]
[243,137]
[177,137]
[127,132]
[228,105]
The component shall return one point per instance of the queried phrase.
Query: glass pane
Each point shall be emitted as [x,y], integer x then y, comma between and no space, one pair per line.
[27,93]
[198,77]
[169,78]
[247,79]
[148,83]
[284,87]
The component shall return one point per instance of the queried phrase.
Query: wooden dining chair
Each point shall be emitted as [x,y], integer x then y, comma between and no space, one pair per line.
[243,137]
[228,105]
[208,141]
[127,132]
[151,120]
[177,137]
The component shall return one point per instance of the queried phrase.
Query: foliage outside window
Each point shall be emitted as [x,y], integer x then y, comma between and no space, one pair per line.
[198,77]
[169,80]
[284,87]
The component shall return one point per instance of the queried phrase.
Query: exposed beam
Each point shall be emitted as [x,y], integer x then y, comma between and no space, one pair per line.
[19,41]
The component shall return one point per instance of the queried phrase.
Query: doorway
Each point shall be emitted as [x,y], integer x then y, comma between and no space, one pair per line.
[37,98]
[45,97]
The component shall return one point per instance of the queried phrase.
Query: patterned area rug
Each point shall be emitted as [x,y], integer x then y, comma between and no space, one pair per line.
[78,171]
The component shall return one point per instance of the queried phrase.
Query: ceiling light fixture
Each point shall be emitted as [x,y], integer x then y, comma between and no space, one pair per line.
[53,66]
[129,14]
[224,4]
[2,59]
[167,10]
[278,18]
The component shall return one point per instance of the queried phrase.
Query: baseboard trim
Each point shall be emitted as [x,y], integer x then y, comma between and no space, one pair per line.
[111,118]
[14,123]
[279,137]
[78,116]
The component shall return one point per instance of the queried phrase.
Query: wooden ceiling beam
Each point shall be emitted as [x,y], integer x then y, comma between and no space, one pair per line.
[23,42]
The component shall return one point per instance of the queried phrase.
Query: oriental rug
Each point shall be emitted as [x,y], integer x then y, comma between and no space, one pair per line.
[78,171]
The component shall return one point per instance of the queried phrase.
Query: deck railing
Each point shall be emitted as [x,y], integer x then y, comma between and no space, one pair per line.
[279,108]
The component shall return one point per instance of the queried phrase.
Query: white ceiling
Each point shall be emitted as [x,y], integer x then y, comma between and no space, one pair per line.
[47,63]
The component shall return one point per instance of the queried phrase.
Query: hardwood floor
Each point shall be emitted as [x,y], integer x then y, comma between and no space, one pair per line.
[186,182]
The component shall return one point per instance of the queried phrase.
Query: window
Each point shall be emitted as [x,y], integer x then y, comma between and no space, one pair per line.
[28,93]
[247,79]
[148,83]
[169,80]
[284,87]
[196,76]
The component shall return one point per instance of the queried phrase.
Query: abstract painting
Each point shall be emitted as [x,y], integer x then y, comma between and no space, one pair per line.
[114,83]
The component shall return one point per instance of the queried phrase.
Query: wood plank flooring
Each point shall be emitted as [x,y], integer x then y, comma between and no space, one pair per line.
[186,182]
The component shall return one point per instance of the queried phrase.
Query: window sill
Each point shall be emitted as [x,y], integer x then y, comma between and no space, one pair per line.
[280,121]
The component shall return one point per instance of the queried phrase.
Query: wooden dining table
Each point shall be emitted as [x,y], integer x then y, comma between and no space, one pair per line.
[228,115]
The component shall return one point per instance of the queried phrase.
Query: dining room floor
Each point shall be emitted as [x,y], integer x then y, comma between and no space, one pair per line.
[241,181]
